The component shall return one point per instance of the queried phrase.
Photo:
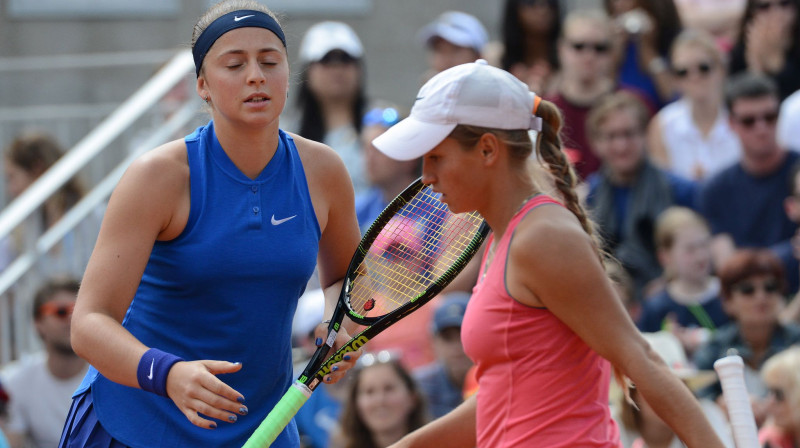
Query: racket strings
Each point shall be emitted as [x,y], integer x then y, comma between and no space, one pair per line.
[414,250]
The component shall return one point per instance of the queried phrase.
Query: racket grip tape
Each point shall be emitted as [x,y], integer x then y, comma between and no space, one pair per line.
[730,370]
[279,416]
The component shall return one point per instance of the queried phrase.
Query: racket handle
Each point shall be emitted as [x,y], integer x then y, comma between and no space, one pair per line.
[279,416]
[730,370]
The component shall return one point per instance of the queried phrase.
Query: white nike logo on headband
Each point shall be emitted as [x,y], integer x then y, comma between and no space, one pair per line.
[236,18]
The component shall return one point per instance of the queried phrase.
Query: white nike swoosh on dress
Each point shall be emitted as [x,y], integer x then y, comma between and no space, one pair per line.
[277,222]
[236,19]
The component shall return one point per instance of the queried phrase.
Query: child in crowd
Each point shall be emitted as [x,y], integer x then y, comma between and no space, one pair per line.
[688,305]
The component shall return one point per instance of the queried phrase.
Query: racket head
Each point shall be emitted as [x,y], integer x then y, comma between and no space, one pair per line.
[412,250]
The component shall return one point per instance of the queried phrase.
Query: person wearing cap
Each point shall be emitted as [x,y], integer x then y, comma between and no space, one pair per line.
[185,309]
[332,96]
[543,321]
[442,381]
[453,38]
[387,177]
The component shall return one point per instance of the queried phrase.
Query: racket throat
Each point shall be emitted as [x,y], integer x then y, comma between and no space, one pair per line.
[303,388]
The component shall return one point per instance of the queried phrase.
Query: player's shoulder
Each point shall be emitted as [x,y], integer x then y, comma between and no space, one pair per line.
[321,163]
[314,153]
[168,162]
[549,230]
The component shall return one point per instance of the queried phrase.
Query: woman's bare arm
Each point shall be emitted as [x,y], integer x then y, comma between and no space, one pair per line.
[565,274]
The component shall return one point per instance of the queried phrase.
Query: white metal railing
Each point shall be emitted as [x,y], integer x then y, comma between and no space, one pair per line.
[16,335]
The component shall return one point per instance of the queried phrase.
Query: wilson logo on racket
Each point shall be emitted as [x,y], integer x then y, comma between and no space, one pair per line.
[351,347]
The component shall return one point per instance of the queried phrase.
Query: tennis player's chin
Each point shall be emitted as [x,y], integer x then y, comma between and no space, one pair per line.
[454,207]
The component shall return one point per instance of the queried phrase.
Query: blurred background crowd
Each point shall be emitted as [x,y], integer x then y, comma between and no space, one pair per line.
[679,120]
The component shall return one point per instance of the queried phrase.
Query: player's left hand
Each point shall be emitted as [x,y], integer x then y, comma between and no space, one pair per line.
[348,360]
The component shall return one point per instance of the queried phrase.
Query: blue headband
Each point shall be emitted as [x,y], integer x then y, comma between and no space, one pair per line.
[230,21]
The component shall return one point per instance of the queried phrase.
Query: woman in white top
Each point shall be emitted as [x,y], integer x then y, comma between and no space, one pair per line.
[691,136]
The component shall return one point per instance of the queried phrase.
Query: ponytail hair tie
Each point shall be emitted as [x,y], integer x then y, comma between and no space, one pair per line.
[536,122]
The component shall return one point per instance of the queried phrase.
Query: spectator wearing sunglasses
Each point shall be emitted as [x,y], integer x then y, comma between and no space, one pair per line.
[40,388]
[781,375]
[753,287]
[586,75]
[744,203]
[332,97]
[691,137]
[769,43]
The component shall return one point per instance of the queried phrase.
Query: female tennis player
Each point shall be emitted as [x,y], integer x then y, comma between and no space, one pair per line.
[206,246]
[543,322]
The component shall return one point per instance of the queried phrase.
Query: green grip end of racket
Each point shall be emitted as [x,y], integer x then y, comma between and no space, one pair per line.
[279,417]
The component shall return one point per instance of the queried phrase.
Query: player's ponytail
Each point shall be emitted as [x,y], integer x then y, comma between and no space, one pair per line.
[549,152]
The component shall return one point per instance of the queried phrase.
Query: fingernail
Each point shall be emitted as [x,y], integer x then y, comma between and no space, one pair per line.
[236,363]
[232,418]
[318,341]
[334,368]
[243,410]
[328,379]
[346,357]
[212,425]
[240,399]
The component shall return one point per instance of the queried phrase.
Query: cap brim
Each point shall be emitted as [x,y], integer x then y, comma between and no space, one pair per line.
[411,138]
[447,33]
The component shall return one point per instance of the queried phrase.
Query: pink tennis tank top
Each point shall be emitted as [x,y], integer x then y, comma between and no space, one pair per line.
[539,384]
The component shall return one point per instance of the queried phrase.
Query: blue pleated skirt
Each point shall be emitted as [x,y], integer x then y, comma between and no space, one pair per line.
[82,428]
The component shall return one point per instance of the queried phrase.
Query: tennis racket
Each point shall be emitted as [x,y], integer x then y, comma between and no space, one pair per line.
[730,370]
[415,247]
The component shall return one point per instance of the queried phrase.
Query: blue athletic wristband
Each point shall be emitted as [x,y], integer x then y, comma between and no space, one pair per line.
[153,370]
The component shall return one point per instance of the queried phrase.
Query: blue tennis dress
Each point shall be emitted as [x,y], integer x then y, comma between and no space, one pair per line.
[225,289]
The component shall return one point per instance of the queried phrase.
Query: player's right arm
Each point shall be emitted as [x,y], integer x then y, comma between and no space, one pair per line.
[151,202]
[456,429]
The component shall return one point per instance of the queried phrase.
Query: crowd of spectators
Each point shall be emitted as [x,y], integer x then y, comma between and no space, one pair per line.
[681,129]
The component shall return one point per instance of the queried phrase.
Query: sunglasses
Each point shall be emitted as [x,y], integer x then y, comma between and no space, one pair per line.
[387,117]
[371,359]
[778,394]
[337,57]
[537,2]
[598,47]
[749,288]
[60,310]
[766,6]
[703,69]
[749,121]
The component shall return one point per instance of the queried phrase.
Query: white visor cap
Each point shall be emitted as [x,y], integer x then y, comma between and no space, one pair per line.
[475,94]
